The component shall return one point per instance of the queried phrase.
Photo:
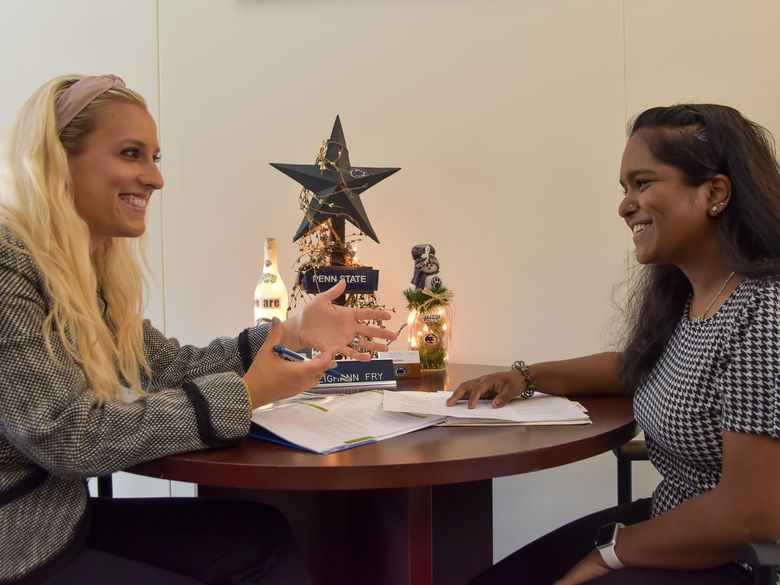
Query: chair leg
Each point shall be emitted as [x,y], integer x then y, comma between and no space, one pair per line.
[623,481]
[635,450]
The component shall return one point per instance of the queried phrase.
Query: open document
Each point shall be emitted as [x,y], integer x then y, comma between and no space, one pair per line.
[326,424]
[540,409]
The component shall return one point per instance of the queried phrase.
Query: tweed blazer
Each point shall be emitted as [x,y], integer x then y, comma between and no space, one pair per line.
[54,434]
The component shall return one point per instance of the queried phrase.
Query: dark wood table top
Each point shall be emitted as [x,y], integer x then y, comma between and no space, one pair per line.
[432,456]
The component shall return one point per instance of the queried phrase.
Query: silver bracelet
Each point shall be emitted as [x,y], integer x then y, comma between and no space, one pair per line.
[530,383]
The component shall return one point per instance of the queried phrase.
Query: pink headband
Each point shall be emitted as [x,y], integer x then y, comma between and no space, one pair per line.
[79,95]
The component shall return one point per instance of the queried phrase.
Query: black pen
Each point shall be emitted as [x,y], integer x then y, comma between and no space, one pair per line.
[296,356]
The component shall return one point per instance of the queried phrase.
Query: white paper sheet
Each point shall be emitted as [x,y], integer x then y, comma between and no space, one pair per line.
[539,409]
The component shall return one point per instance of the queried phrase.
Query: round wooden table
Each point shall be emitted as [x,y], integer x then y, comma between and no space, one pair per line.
[398,511]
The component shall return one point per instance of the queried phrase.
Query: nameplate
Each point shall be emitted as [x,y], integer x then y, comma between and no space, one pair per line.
[358,375]
[359,279]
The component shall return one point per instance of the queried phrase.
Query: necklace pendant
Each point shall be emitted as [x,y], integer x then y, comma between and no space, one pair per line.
[693,317]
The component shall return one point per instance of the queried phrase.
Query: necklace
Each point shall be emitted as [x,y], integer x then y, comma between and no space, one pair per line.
[700,317]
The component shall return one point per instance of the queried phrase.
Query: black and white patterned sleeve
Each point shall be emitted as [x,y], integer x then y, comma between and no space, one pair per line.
[173,364]
[751,381]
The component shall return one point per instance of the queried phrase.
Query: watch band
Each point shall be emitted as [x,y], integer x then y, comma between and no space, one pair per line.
[607,549]
[610,558]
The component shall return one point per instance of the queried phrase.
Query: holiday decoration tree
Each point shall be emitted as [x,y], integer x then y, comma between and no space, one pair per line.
[329,198]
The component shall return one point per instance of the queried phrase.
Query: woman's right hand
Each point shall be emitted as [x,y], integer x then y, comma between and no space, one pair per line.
[500,386]
[271,378]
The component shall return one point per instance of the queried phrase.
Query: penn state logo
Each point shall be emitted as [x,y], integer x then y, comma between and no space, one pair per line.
[401,371]
[358,173]
[430,339]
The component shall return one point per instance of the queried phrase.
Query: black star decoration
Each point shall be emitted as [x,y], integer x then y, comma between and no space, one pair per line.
[336,186]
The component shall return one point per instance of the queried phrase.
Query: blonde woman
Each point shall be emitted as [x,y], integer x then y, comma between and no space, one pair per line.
[88,387]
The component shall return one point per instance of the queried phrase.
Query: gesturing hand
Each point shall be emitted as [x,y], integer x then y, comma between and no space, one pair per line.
[271,378]
[322,324]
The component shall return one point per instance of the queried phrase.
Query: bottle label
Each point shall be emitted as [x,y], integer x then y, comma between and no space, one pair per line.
[268,303]
[431,317]
[268,277]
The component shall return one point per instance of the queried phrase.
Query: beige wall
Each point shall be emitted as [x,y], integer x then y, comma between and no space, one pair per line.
[507,124]
[507,118]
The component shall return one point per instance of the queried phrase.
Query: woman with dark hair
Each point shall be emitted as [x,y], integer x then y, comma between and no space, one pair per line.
[702,198]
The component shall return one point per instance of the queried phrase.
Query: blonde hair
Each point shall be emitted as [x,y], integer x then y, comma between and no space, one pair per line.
[38,208]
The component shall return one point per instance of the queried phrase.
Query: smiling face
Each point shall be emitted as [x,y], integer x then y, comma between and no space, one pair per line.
[115,172]
[668,217]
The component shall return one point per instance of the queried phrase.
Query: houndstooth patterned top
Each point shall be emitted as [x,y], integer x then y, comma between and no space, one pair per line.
[719,374]
[53,434]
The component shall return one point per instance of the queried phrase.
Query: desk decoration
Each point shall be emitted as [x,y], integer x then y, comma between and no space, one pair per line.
[329,197]
[270,293]
[334,186]
[430,306]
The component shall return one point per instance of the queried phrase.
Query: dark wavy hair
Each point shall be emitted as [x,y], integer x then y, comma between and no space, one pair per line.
[702,140]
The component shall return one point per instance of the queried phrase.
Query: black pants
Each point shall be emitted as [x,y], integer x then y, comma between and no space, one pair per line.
[547,559]
[184,541]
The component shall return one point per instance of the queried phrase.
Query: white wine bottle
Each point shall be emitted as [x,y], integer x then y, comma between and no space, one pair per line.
[270,293]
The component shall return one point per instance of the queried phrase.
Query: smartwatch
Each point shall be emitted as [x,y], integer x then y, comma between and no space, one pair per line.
[605,544]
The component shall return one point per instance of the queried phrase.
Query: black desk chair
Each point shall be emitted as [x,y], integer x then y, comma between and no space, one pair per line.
[763,557]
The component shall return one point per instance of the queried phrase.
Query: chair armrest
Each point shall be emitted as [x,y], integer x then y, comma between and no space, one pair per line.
[635,450]
[761,554]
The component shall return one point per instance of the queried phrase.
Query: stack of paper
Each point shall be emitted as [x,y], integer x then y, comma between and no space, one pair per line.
[326,424]
[540,409]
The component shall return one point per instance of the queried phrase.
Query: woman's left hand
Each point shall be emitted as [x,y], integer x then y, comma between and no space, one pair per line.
[590,567]
[323,324]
